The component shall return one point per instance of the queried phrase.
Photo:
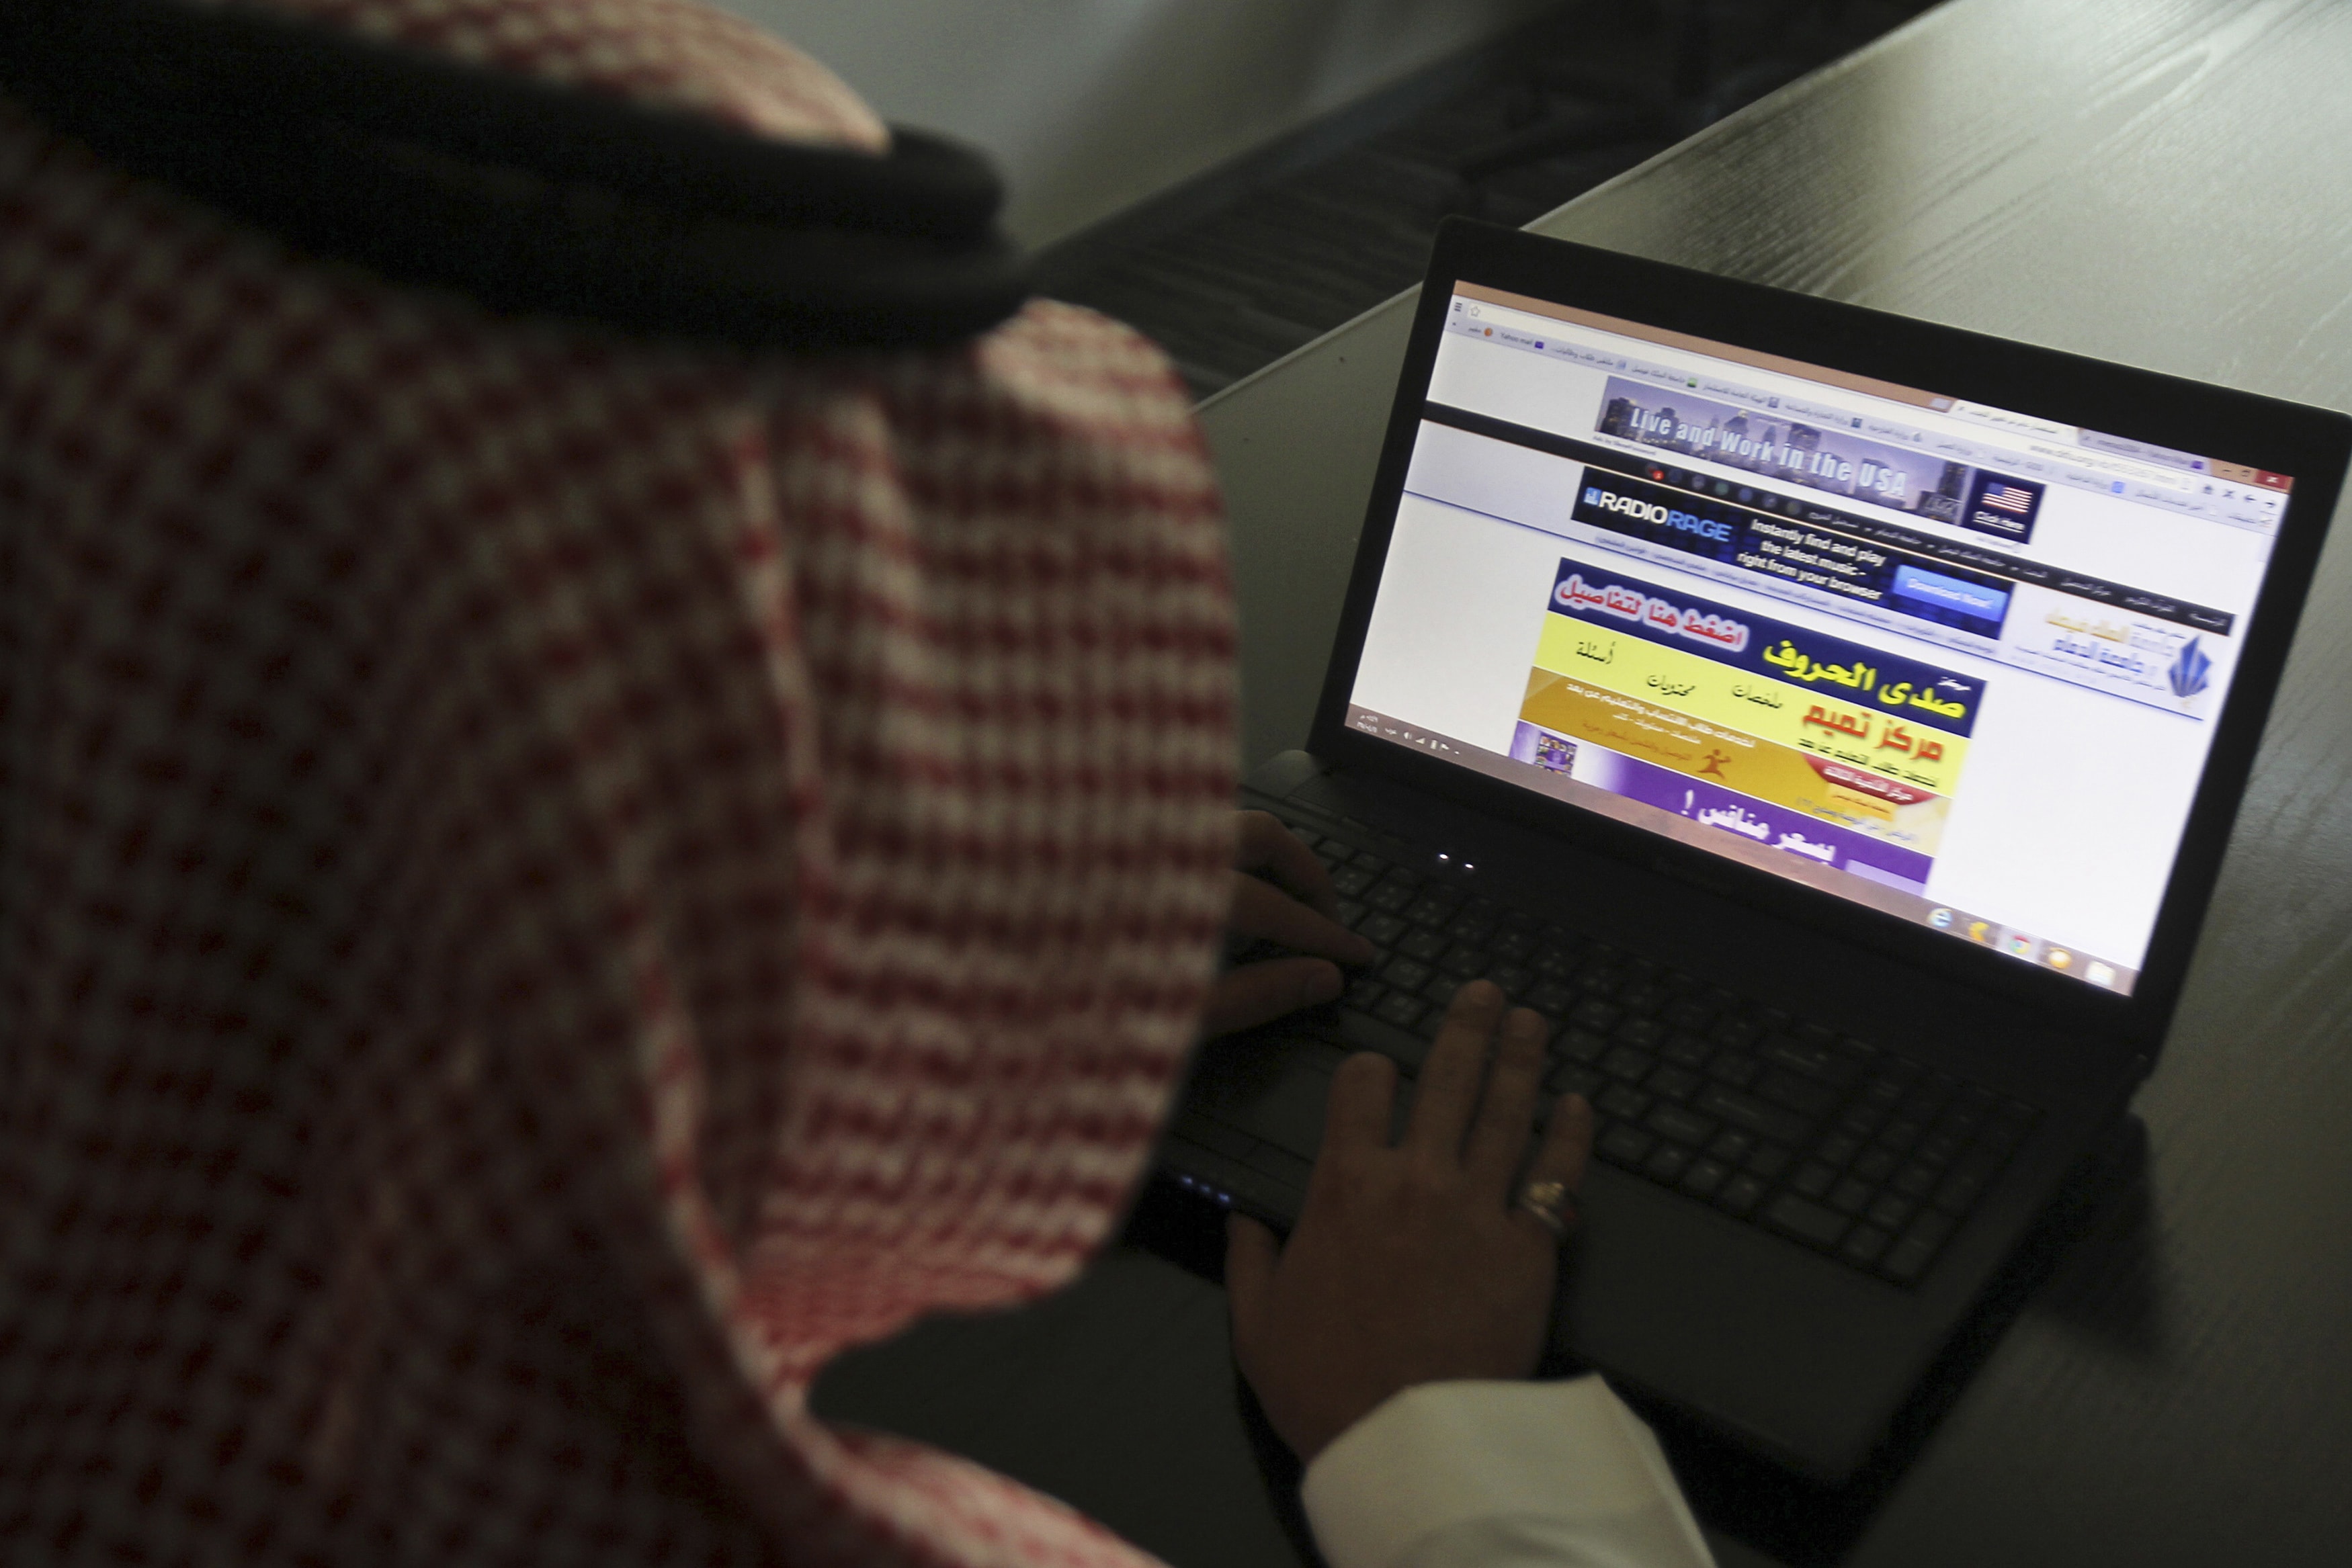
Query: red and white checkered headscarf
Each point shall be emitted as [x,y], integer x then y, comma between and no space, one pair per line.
[549,884]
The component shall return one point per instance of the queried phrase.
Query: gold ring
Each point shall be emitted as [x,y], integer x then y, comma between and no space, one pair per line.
[1548,1201]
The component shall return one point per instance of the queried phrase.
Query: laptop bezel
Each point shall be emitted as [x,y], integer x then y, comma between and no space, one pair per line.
[2309,444]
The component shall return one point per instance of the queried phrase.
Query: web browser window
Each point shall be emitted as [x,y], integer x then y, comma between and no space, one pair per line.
[1959,663]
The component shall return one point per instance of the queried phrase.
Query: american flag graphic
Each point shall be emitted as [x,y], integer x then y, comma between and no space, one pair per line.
[2004,498]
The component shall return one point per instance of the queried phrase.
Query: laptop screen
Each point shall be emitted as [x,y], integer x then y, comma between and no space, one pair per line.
[1953,662]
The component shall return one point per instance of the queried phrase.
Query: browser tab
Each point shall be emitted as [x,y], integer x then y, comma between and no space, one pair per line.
[2006,419]
[2147,451]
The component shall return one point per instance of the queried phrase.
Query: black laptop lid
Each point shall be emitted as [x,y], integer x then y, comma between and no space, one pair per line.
[1957,647]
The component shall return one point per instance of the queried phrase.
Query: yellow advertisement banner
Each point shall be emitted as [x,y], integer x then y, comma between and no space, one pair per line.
[1819,786]
[1803,718]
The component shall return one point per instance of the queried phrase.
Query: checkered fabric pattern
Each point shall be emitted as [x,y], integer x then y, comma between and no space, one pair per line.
[548,883]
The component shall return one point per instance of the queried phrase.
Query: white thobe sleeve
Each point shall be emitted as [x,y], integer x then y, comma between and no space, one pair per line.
[1501,1475]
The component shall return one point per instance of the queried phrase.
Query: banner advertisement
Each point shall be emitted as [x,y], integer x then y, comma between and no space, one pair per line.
[1799,832]
[1794,552]
[1605,597]
[1822,456]
[1843,754]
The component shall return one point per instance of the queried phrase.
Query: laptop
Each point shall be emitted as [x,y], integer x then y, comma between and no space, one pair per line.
[1833,724]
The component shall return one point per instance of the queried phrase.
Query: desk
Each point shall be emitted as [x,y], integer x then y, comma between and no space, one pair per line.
[2164,183]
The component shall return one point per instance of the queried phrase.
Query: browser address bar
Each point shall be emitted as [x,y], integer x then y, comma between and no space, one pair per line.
[2089,459]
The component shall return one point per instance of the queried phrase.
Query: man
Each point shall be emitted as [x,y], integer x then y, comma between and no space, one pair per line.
[555,880]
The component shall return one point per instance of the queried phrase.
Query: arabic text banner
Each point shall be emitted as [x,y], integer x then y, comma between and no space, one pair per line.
[1818,785]
[1826,720]
[1789,551]
[1603,596]
[1758,821]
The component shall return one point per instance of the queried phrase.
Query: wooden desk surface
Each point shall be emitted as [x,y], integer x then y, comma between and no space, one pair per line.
[2164,183]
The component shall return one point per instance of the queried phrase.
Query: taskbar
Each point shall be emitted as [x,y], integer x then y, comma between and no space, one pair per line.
[1912,907]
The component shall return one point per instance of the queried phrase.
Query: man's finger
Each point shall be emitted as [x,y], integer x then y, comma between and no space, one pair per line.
[1361,1102]
[1567,1150]
[1261,910]
[1260,993]
[1450,1076]
[1266,845]
[1507,1112]
[1252,1255]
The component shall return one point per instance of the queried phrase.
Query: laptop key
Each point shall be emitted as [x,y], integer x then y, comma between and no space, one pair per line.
[1363,993]
[1623,1103]
[1382,930]
[1743,1110]
[1804,1095]
[1908,1260]
[1813,1179]
[1666,1164]
[1352,880]
[1959,1193]
[1851,1197]
[1685,1048]
[1581,1045]
[1805,1220]
[1465,963]
[1425,944]
[1673,1083]
[1676,1125]
[1427,911]
[1735,1032]
[1406,975]
[1574,1077]
[1647,998]
[1705,1177]
[1394,897]
[1735,1070]
[1732,1146]
[1899,1134]
[1915,1181]
[1891,1211]
[1768,1160]
[1690,1012]
[1740,1195]
[1865,1245]
[1625,1146]
[1861,1119]
[1626,1062]
[1938,1149]
[1596,1014]
[1644,1032]
[1401,1010]
[1513,947]
[1550,998]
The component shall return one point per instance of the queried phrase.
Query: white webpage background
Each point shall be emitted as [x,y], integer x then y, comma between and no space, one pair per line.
[2068,811]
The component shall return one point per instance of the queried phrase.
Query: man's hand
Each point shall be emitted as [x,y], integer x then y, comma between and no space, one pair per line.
[1411,1263]
[1267,861]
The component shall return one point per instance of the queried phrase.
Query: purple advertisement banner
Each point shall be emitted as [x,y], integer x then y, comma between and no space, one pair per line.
[1822,456]
[1759,821]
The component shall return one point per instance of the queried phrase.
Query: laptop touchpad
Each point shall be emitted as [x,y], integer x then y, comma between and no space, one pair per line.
[1269,1087]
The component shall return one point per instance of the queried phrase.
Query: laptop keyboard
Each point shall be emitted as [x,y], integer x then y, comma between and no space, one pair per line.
[1847,1147]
